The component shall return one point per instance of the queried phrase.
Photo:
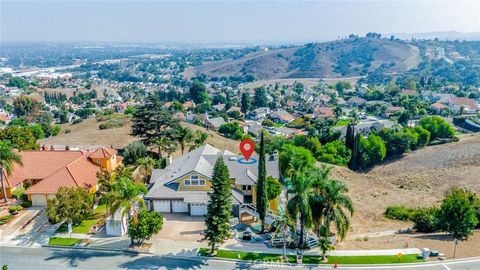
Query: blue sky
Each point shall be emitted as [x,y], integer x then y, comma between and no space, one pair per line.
[227,21]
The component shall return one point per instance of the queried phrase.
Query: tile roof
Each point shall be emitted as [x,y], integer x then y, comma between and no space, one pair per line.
[40,164]
[80,173]
[103,153]
[468,102]
[56,169]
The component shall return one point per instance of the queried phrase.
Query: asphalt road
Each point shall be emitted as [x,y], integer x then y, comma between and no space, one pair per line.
[56,259]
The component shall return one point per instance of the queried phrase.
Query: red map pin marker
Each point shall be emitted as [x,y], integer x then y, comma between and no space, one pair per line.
[247,147]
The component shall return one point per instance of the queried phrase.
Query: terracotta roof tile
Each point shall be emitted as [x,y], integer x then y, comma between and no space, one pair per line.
[103,153]
[40,164]
[79,173]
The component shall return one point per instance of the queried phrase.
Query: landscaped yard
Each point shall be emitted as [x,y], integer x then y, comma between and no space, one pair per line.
[59,241]
[252,256]
[342,122]
[86,225]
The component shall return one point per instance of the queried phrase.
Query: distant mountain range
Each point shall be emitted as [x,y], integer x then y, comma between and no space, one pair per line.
[445,35]
[347,57]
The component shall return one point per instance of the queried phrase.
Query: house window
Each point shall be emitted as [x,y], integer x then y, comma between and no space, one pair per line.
[194,181]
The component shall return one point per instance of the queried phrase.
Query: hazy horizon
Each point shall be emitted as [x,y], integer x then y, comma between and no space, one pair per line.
[235,22]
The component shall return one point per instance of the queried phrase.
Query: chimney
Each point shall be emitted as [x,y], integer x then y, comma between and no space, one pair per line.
[52,148]
[168,160]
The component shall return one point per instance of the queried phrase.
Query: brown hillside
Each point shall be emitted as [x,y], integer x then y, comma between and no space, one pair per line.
[418,179]
[347,57]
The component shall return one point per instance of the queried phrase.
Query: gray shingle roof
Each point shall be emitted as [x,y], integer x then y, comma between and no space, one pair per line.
[202,160]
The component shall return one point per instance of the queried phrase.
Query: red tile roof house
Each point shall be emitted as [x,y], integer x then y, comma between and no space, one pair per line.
[45,171]
[438,107]
[282,116]
[469,105]
[323,112]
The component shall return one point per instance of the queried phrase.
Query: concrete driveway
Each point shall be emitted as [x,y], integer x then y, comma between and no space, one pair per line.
[29,229]
[181,227]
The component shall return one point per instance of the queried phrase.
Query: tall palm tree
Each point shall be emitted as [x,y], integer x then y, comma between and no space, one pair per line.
[283,224]
[146,165]
[199,139]
[335,205]
[7,158]
[298,205]
[184,137]
[125,196]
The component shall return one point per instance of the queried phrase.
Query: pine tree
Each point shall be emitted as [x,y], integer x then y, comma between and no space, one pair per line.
[151,123]
[355,160]
[350,136]
[262,200]
[219,208]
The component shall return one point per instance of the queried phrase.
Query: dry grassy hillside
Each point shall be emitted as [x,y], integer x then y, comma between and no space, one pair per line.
[418,179]
[340,58]
[88,133]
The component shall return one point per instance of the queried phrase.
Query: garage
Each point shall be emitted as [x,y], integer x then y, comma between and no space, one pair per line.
[39,200]
[198,209]
[179,207]
[161,206]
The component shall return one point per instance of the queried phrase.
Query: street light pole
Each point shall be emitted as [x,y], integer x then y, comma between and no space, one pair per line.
[455,249]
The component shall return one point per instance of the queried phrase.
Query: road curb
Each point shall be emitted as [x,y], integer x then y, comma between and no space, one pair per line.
[249,262]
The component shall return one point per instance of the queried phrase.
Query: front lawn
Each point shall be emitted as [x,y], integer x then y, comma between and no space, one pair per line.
[252,256]
[86,225]
[343,122]
[60,241]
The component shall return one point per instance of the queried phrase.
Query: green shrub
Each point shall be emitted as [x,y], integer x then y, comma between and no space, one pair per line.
[14,209]
[26,204]
[426,220]
[112,123]
[5,219]
[18,192]
[400,213]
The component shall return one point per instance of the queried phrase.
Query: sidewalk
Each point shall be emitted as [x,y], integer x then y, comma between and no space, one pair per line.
[262,248]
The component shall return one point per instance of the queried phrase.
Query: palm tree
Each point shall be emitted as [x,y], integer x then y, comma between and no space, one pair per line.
[298,205]
[165,144]
[283,223]
[7,158]
[335,202]
[146,165]
[324,245]
[199,139]
[125,195]
[184,136]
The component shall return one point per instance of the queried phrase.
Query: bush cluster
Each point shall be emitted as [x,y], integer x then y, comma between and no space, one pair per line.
[14,209]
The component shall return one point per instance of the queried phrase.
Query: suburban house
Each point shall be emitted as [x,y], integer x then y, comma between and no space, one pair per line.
[469,105]
[184,185]
[45,171]
[214,123]
[259,114]
[282,116]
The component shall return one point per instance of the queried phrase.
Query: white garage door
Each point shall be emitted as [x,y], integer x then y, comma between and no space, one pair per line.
[198,209]
[179,207]
[161,206]
[39,200]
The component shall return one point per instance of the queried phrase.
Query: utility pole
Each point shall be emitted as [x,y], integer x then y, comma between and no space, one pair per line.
[455,249]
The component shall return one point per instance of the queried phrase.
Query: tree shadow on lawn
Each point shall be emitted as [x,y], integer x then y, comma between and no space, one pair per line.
[73,257]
